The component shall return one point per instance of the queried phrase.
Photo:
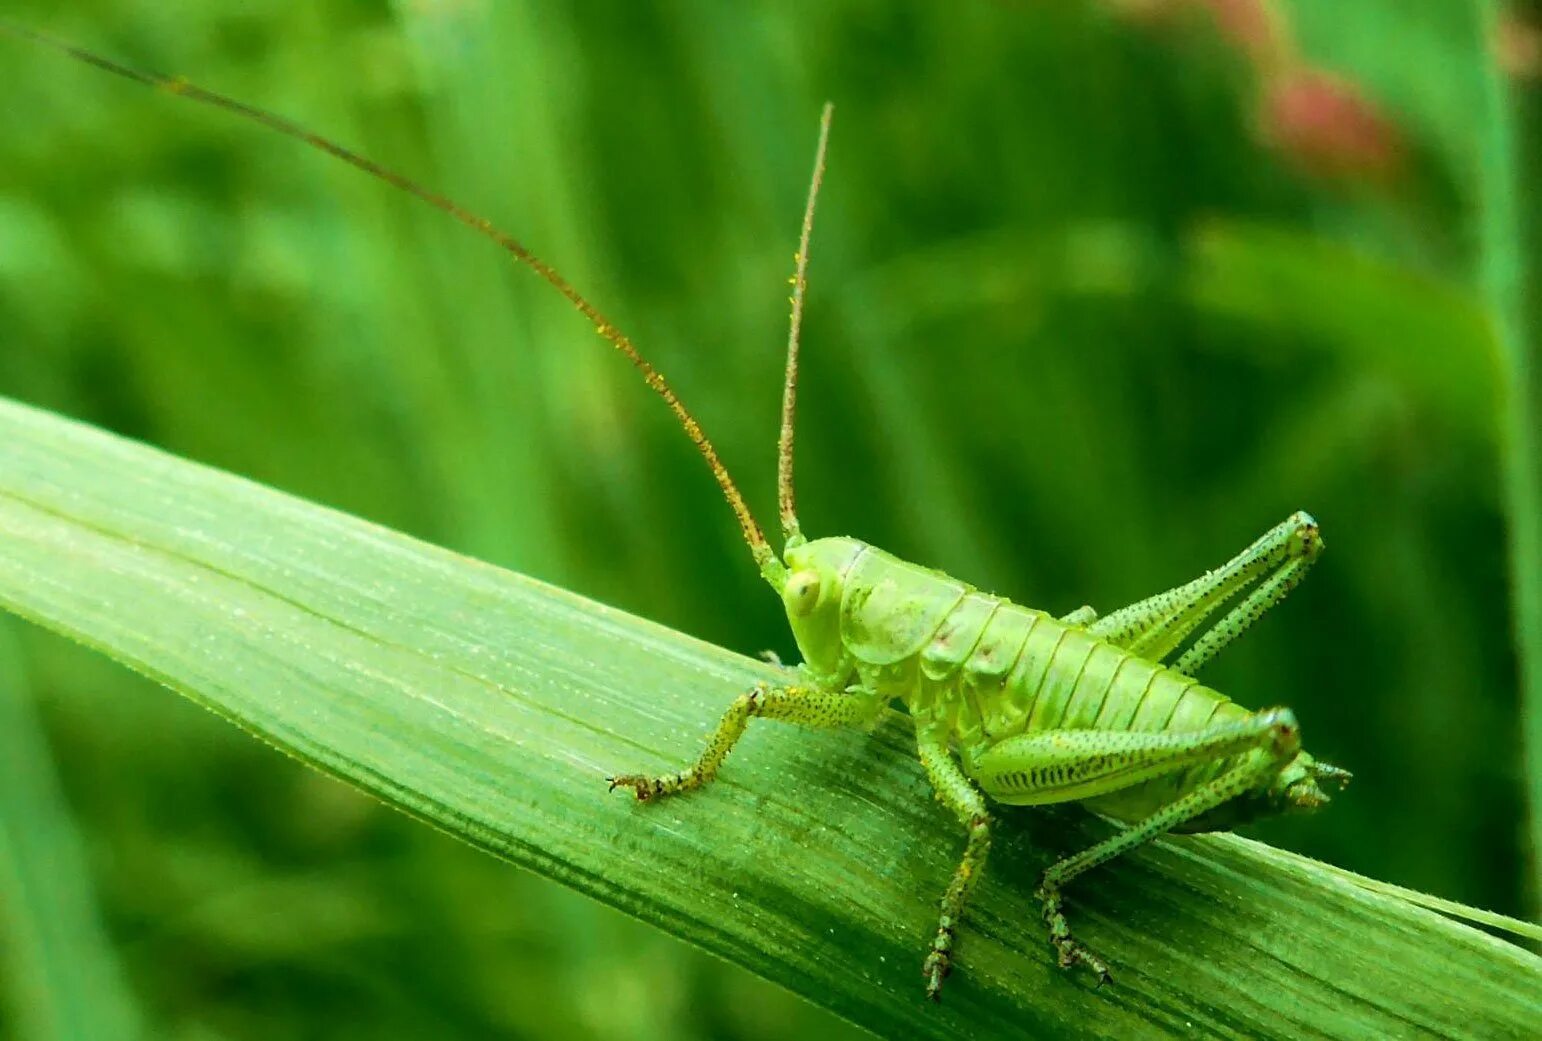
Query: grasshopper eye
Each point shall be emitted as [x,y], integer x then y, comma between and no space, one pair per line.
[802,592]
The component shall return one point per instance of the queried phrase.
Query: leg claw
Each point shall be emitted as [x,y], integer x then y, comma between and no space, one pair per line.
[1072,953]
[644,788]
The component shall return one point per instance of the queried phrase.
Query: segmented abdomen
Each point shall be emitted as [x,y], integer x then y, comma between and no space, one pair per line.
[992,669]
[1064,678]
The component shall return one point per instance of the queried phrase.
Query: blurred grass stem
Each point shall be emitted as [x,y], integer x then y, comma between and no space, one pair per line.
[62,980]
[1511,239]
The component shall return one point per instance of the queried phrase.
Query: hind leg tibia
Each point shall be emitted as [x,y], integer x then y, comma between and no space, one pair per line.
[1041,768]
[1156,626]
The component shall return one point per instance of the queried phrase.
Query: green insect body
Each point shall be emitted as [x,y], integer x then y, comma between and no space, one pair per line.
[1009,702]
[1037,709]
[982,670]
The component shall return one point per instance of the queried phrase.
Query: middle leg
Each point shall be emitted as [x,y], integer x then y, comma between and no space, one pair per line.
[960,795]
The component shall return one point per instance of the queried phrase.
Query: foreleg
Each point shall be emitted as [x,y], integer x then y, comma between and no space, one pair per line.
[803,705]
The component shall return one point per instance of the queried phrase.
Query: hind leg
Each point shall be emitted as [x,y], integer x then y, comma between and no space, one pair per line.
[1054,766]
[1154,627]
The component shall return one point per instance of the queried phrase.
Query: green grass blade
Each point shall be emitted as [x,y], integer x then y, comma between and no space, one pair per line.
[1511,157]
[492,706]
[61,978]
[1477,915]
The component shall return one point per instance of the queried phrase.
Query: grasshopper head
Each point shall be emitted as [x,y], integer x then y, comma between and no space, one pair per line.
[812,594]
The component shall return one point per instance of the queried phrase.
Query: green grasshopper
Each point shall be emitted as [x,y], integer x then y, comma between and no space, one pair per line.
[1009,702]
[1012,703]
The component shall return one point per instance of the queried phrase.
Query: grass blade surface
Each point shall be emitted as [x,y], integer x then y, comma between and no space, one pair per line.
[492,706]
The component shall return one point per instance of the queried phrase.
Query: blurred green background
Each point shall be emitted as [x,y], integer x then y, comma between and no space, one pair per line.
[1101,290]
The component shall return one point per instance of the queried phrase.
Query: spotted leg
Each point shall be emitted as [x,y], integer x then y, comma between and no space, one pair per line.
[804,705]
[1154,627]
[1053,766]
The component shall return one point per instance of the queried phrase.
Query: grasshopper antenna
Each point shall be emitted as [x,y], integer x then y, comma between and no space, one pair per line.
[792,534]
[765,558]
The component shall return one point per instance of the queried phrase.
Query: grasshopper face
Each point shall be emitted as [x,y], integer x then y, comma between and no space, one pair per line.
[816,582]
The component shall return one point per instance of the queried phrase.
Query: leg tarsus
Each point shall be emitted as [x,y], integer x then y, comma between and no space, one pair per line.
[1069,951]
